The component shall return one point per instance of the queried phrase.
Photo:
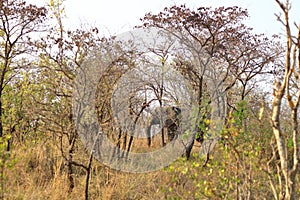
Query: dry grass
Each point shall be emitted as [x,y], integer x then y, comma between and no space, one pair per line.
[38,172]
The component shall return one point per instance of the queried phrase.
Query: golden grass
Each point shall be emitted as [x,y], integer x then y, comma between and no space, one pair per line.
[39,172]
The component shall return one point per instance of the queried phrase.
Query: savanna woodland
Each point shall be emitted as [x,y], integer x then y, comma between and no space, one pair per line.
[254,155]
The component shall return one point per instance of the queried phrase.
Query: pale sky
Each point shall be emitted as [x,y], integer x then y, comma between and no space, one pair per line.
[117,16]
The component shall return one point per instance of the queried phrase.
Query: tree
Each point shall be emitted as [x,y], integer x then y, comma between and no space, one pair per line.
[287,86]
[219,50]
[61,53]
[18,24]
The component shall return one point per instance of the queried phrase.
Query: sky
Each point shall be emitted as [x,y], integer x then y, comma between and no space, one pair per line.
[117,16]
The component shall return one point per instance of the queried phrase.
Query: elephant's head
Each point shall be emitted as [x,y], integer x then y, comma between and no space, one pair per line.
[167,117]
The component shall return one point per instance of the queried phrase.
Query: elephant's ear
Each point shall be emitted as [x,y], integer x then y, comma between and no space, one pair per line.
[176,110]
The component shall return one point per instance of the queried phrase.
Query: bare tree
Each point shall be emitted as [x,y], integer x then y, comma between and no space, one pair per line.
[61,54]
[219,50]
[287,87]
[18,22]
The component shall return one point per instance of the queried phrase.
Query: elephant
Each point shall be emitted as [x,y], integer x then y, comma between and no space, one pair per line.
[169,116]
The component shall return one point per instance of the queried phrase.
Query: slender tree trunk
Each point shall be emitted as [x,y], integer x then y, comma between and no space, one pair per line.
[1,126]
[279,137]
[70,171]
[293,172]
[88,175]
[5,66]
